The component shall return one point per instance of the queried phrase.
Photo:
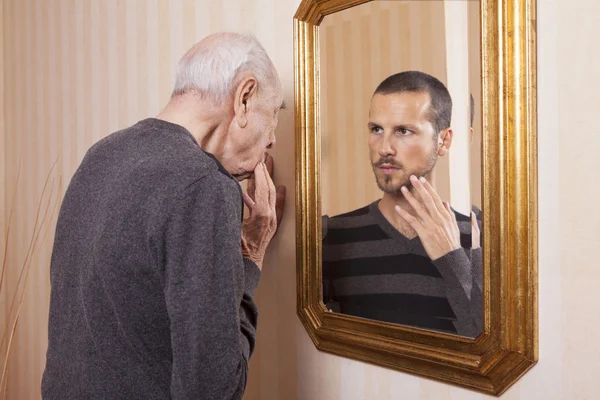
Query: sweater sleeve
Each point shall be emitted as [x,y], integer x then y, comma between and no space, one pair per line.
[477,291]
[464,293]
[209,289]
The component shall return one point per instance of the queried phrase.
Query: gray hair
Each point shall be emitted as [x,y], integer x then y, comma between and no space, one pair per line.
[213,67]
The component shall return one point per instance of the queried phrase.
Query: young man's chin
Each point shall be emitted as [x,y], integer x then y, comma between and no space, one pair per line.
[392,186]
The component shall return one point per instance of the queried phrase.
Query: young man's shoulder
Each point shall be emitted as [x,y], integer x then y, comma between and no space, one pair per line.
[353,214]
[341,224]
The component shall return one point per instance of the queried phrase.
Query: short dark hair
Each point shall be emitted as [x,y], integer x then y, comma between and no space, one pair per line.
[440,109]
[472,109]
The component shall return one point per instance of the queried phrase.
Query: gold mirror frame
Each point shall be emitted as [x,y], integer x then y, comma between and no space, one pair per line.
[508,347]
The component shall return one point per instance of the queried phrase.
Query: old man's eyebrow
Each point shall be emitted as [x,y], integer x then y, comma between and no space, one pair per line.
[283,106]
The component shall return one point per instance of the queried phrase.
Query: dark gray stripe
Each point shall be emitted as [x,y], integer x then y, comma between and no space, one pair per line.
[376,248]
[378,284]
[400,303]
[350,222]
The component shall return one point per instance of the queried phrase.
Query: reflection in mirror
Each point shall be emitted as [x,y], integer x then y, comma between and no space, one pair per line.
[400,82]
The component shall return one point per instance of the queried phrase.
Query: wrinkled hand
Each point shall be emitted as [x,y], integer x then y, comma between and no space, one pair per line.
[265,204]
[435,222]
[280,200]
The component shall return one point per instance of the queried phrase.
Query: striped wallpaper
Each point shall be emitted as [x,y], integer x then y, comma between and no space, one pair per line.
[75,70]
[360,47]
[3,296]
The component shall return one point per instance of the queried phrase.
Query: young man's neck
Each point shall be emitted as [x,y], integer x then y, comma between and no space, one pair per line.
[387,206]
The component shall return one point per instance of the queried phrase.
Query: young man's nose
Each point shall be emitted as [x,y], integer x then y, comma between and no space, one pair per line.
[385,147]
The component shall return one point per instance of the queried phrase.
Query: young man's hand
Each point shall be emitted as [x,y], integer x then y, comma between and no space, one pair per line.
[435,222]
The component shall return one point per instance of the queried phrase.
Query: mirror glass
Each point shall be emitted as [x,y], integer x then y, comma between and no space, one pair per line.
[400,96]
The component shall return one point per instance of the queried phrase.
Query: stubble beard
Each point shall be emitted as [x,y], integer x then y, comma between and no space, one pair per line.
[386,182]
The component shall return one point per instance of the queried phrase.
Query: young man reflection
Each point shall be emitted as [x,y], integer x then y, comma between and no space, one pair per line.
[407,258]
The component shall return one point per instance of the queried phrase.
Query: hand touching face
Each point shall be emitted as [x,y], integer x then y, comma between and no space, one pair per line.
[434,222]
[265,204]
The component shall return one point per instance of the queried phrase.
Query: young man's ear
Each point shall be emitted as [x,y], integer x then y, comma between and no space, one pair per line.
[244,93]
[444,141]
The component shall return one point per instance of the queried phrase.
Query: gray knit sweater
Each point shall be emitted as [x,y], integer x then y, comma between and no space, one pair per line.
[151,297]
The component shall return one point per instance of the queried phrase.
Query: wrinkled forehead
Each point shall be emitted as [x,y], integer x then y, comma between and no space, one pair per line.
[272,91]
[277,91]
[274,96]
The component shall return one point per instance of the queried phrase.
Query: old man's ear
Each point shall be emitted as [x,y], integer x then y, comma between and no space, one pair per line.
[241,104]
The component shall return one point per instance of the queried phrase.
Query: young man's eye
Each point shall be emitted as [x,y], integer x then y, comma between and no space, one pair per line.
[376,129]
[404,132]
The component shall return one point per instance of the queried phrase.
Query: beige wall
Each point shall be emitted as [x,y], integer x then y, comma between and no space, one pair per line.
[67,86]
[3,296]
[78,70]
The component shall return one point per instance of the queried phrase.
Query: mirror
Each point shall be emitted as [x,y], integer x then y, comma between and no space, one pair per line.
[428,289]
[399,81]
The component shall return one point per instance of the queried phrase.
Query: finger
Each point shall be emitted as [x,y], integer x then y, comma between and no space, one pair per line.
[425,196]
[279,203]
[448,208]
[416,205]
[412,221]
[271,189]
[475,233]
[248,201]
[261,192]
[434,195]
[452,217]
[474,222]
[270,164]
[251,185]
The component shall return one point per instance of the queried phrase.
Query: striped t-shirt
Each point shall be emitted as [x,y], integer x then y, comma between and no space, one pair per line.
[371,270]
